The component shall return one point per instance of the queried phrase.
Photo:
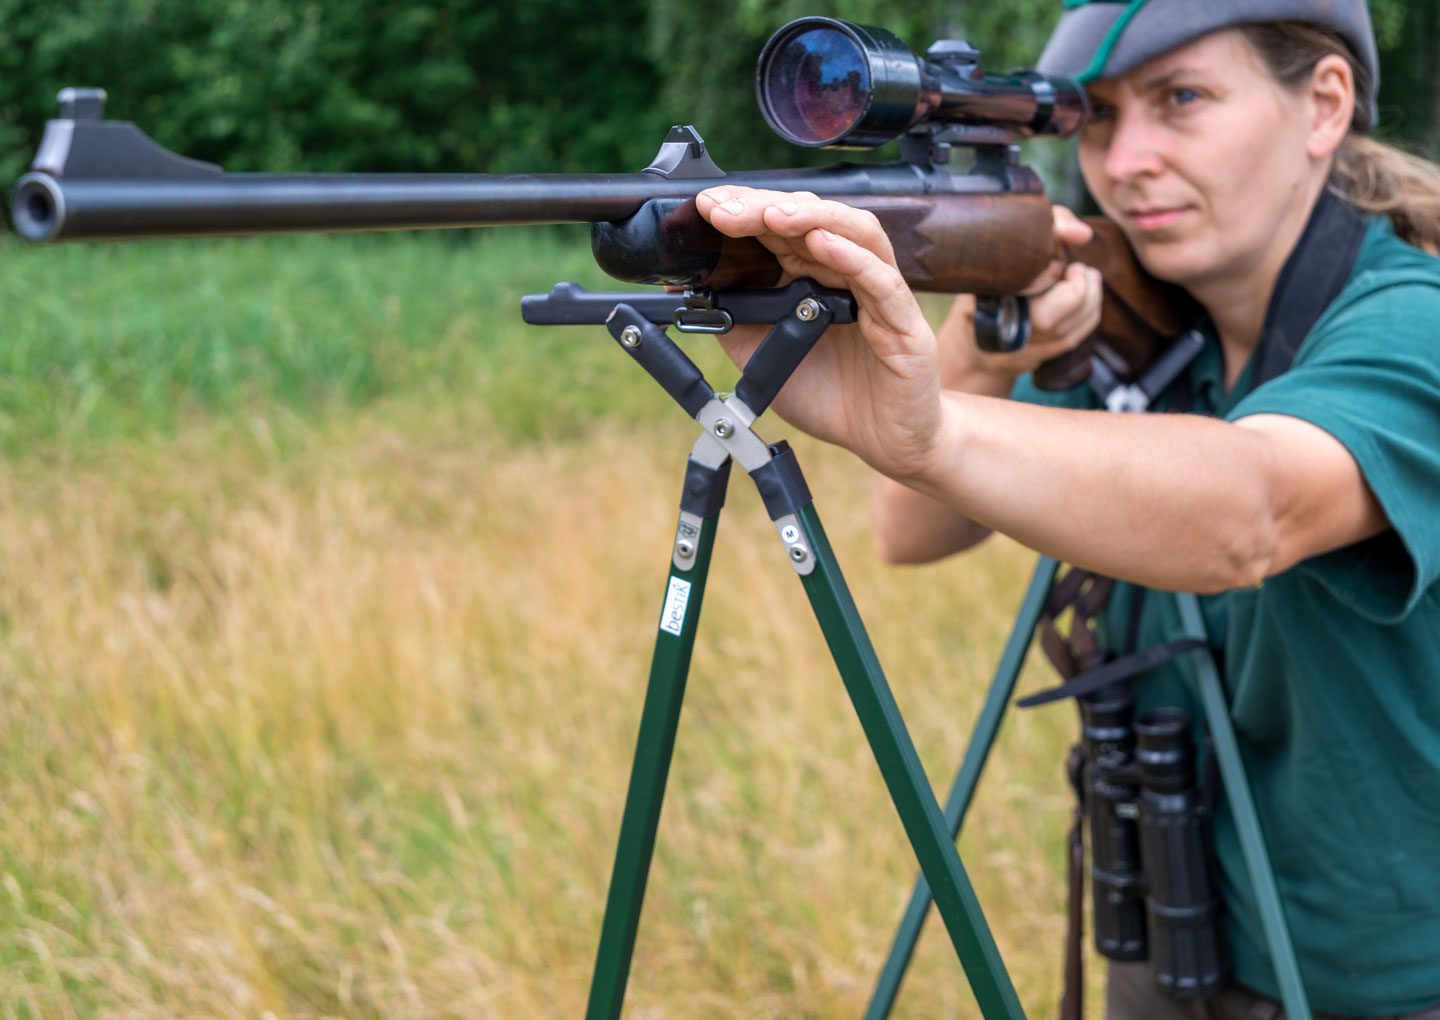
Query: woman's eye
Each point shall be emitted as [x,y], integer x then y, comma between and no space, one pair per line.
[1183,96]
[1101,112]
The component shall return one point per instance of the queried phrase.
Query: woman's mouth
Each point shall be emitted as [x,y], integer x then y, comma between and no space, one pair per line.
[1155,219]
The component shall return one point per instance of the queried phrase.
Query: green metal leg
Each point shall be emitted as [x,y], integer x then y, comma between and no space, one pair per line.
[1247,821]
[982,738]
[909,788]
[653,750]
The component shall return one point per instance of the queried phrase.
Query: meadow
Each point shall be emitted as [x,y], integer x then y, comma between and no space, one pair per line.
[327,598]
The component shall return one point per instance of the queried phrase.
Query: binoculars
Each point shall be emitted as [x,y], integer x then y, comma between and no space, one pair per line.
[1154,893]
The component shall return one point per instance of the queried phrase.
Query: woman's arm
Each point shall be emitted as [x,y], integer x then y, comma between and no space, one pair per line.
[1172,501]
[910,527]
[1179,502]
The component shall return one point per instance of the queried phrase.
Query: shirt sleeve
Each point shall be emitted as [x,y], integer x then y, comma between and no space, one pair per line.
[1369,375]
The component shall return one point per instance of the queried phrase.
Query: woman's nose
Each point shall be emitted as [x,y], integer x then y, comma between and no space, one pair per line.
[1134,148]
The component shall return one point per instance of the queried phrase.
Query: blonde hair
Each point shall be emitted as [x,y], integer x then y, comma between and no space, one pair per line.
[1374,177]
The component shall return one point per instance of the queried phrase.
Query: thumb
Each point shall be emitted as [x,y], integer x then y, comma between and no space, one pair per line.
[1070,230]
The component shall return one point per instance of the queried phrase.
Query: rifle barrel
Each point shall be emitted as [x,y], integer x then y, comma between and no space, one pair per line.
[48,208]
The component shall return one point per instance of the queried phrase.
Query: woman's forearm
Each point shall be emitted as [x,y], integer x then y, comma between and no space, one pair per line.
[911,527]
[1172,501]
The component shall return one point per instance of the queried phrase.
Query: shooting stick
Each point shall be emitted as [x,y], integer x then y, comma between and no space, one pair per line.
[800,314]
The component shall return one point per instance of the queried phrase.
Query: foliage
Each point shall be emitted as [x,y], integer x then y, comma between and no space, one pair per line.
[544,85]
[1408,33]
[330,85]
[700,77]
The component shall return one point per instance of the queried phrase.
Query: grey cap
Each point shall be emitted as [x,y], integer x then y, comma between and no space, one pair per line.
[1106,38]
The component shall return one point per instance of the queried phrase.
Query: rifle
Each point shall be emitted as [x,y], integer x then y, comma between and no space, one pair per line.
[820,82]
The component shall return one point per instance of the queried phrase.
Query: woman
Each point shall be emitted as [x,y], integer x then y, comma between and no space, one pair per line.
[1304,502]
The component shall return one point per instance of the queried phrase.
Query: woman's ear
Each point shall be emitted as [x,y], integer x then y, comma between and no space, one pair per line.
[1332,101]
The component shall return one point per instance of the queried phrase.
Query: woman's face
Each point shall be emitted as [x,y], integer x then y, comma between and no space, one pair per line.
[1200,157]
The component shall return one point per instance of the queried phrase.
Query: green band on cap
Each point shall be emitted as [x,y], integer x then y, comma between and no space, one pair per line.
[1111,37]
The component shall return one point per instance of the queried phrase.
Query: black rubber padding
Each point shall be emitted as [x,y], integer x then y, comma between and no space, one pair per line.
[704,493]
[663,359]
[782,486]
[777,357]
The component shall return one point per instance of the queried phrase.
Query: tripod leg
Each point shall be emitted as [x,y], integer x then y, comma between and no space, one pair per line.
[900,766]
[976,752]
[669,667]
[1247,822]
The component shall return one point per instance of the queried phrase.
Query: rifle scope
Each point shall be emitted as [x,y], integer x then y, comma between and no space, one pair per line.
[823,82]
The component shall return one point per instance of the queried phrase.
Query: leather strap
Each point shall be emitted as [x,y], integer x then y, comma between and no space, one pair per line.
[1085,594]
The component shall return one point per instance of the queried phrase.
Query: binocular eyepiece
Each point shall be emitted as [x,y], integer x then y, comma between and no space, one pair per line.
[823,82]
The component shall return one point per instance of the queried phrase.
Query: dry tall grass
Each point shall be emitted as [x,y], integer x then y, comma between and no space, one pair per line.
[345,732]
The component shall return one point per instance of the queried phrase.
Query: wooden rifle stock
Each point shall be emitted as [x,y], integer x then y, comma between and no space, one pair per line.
[998,244]
[1139,314]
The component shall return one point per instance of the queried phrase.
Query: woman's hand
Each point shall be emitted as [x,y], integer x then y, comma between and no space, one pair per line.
[872,388]
[1064,310]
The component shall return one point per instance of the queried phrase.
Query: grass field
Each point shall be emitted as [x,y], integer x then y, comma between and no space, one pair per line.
[328,596]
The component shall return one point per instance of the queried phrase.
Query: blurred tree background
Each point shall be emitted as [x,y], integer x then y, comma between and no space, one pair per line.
[558,85]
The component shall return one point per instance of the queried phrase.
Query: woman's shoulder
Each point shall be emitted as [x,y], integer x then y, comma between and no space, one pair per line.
[1385,261]
[1393,288]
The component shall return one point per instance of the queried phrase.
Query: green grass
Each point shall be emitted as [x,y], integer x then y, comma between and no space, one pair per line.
[327,598]
[106,342]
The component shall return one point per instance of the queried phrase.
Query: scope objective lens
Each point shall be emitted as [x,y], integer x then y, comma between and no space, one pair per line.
[815,86]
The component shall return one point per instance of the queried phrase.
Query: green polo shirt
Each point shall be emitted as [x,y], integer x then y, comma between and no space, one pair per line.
[1332,668]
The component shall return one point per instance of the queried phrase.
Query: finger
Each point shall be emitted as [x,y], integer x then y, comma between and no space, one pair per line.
[839,245]
[1048,278]
[1069,229]
[751,211]
[740,212]
[859,226]
[877,285]
[1058,335]
[1052,311]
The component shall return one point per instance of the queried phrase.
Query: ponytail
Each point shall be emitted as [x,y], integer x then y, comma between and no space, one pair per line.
[1378,178]
[1374,177]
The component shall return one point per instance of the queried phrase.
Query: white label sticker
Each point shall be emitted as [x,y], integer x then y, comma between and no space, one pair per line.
[672,617]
